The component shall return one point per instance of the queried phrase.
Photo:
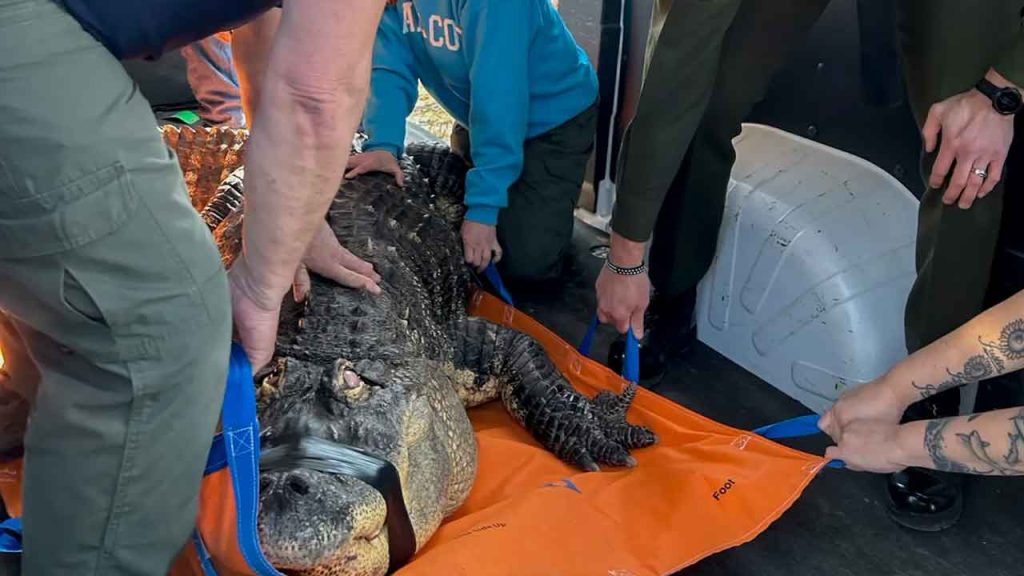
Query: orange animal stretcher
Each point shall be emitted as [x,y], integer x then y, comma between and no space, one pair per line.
[703,488]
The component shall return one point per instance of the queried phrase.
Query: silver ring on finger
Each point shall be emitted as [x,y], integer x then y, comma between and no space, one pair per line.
[980,172]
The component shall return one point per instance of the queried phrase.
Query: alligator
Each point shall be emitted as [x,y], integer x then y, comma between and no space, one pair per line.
[394,374]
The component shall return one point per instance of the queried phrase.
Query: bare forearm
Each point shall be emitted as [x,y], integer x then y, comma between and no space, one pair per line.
[989,345]
[293,169]
[309,108]
[250,51]
[990,444]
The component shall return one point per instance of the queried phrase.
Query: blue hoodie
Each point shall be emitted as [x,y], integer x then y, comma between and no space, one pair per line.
[509,70]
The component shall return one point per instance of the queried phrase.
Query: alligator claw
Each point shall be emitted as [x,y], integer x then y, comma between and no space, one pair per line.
[588,464]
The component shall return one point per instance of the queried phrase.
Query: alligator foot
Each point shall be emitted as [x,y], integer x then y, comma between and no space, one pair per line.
[612,410]
[611,437]
[589,433]
[580,431]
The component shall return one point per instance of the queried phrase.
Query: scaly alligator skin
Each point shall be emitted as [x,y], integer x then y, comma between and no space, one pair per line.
[207,156]
[393,374]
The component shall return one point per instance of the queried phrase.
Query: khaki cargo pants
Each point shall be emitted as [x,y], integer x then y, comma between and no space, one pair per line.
[119,319]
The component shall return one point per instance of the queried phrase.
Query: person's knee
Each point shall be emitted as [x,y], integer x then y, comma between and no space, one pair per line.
[528,260]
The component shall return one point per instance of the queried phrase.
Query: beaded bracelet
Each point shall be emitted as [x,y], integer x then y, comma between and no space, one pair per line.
[634,271]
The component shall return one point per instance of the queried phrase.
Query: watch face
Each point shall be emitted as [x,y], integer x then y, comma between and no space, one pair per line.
[1007,101]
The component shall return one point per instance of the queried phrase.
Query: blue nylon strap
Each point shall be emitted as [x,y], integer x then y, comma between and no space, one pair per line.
[241,433]
[10,536]
[794,428]
[631,367]
[495,279]
[218,458]
[798,427]
[205,562]
[588,338]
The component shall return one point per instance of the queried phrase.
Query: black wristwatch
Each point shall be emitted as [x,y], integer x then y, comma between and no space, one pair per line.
[1007,101]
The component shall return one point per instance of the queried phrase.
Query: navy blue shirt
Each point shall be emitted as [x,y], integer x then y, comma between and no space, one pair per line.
[145,29]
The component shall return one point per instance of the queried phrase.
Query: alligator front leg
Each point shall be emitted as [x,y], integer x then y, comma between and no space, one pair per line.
[492,361]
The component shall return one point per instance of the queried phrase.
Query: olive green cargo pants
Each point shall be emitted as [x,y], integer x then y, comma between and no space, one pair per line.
[535,229]
[118,297]
[713,61]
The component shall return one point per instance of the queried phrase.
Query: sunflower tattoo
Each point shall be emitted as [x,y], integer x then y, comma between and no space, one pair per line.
[1011,341]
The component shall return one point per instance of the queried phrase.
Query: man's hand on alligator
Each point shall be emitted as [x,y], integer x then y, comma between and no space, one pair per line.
[974,137]
[255,312]
[480,244]
[375,161]
[328,258]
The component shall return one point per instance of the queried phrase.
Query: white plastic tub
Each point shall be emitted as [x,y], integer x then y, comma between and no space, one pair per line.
[815,260]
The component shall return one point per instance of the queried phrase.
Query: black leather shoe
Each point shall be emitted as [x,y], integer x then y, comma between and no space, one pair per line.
[925,500]
[669,332]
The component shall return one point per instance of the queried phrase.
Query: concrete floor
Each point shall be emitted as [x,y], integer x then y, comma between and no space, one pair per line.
[839,527]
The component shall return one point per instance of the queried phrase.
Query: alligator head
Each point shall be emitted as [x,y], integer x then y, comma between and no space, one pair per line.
[316,523]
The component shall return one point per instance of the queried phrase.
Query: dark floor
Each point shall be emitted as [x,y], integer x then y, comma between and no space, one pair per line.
[839,526]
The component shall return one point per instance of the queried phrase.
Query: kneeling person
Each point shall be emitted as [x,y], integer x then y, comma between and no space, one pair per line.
[513,75]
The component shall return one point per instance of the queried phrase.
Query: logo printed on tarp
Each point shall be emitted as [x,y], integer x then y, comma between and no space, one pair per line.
[564,483]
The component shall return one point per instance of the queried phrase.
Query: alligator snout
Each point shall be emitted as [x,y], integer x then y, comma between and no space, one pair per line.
[311,520]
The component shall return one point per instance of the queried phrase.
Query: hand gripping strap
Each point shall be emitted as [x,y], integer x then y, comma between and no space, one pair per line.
[631,367]
[795,428]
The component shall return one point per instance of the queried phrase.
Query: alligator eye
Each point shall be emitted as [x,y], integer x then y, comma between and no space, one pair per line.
[347,382]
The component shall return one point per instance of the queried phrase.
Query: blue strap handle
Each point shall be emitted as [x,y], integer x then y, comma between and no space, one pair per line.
[798,427]
[631,367]
[10,536]
[241,433]
[491,272]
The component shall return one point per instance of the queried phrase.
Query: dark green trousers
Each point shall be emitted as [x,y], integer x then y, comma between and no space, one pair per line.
[118,322]
[535,229]
[712,62]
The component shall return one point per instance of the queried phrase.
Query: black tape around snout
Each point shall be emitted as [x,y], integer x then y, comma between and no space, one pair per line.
[333,458]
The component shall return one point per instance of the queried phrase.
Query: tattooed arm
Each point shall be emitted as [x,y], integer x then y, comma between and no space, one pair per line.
[989,444]
[989,345]
[865,421]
